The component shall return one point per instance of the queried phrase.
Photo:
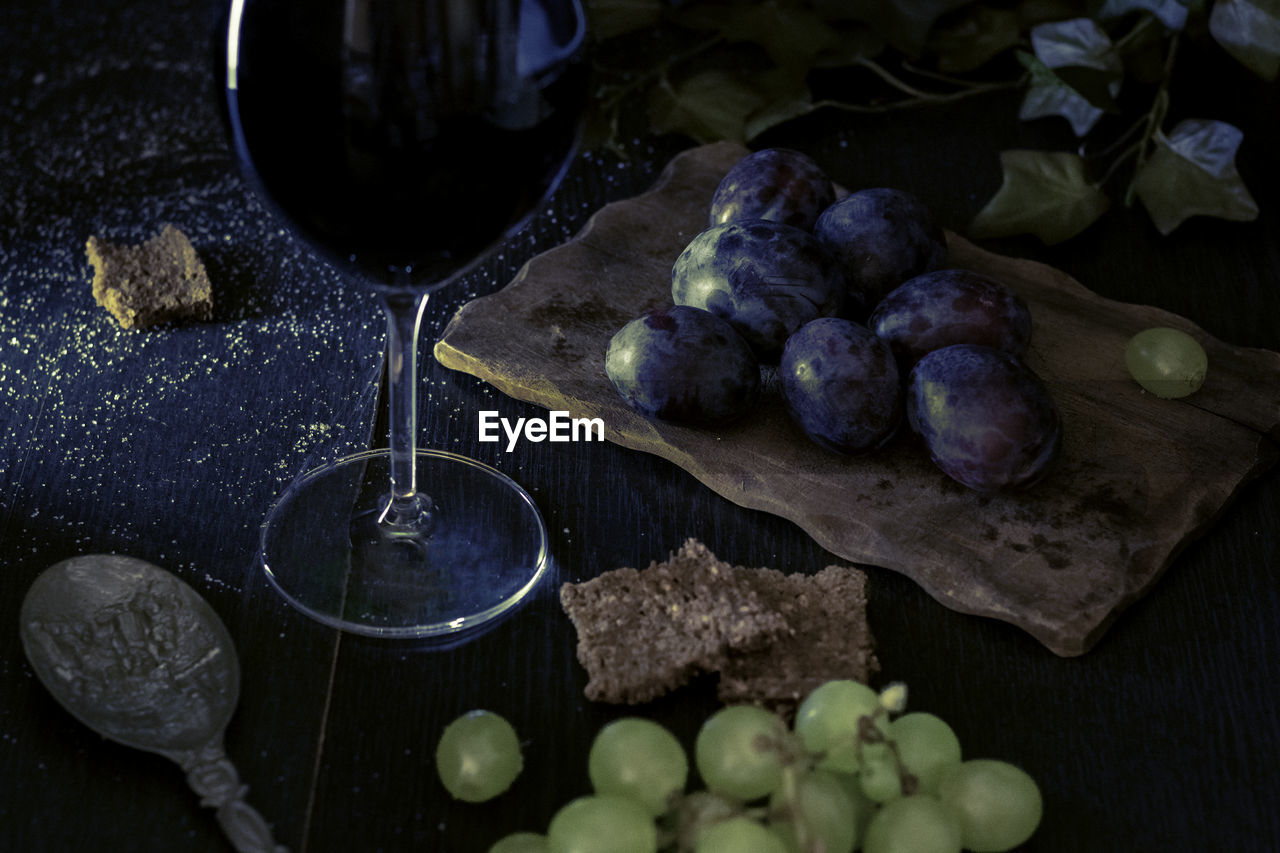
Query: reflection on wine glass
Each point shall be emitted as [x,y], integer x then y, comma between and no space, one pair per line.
[403,138]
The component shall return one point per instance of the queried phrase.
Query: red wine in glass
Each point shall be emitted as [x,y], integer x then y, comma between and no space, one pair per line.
[403,139]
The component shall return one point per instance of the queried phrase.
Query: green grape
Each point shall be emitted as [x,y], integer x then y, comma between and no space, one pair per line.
[999,805]
[1166,362]
[820,811]
[878,775]
[827,722]
[926,745]
[638,758]
[738,835]
[520,842]
[602,823]
[740,752]
[916,824]
[478,756]
[863,809]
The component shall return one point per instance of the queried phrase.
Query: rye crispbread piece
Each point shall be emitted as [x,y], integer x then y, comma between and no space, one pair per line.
[644,633]
[828,639]
[162,280]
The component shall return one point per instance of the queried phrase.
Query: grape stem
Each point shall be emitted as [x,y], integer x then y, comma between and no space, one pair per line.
[1149,123]
[1144,23]
[919,97]
[791,796]
[1155,116]
[869,733]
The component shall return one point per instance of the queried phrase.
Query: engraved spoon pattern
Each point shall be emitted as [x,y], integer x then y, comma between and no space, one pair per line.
[139,657]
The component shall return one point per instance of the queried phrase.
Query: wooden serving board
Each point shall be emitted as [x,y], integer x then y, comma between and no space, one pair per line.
[1138,477]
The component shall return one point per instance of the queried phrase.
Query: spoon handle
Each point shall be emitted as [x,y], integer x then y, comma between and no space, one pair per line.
[212,775]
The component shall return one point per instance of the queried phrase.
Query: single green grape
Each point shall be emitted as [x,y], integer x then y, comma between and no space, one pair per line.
[819,810]
[478,756]
[827,722]
[1167,362]
[602,823]
[998,804]
[520,842]
[638,758]
[915,824]
[926,745]
[738,835]
[740,752]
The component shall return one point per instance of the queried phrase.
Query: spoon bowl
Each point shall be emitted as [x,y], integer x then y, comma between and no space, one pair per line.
[132,652]
[136,654]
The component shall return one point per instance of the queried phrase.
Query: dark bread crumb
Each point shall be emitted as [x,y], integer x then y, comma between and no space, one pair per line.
[161,280]
[644,633]
[829,638]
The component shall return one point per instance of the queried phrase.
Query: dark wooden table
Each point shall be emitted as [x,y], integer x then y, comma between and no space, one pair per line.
[170,445]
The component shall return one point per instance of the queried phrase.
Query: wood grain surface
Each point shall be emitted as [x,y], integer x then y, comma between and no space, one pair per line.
[1138,477]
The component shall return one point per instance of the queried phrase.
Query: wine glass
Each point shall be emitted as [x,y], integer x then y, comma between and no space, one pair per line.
[402,139]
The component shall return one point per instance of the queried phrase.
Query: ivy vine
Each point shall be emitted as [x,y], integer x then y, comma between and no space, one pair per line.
[747,65]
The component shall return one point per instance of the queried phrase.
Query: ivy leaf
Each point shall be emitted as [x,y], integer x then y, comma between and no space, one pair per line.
[904,23]
[974,38]
[717,104]
[1045,193]
[778,111]
[1193,172]
[1249,30]
[709,106]
[1171,13]
[1076,43]
[611,18]
[1049,95]
[789,32]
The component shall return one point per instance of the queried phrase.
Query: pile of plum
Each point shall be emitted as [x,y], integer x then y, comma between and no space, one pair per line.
[852,301]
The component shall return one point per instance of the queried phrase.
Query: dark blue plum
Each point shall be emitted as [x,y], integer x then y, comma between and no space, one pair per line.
[988,421]
[683,365]
[880,237]
[766,278]
[840,383]
[951,306]
[777,184]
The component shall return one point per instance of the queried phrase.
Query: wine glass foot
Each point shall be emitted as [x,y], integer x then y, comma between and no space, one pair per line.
[331,548]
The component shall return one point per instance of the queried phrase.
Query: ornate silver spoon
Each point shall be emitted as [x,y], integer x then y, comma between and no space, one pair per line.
[139,657]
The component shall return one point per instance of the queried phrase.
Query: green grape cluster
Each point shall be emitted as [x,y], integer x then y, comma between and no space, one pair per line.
[853,772]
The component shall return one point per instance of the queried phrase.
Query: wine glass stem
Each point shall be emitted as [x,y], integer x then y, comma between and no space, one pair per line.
[408,509]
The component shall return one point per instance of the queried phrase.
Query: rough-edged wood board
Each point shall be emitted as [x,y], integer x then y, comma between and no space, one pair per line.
[1138,478]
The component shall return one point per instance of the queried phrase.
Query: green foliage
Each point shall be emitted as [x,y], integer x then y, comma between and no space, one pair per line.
[610,18]
[742,67]
[1075,73]
[1171,13]
[1045,193]
[1192,172]
[1250,31]
[905,23]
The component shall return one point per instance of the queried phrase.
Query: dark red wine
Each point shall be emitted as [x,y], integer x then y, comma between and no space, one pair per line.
[404,134]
